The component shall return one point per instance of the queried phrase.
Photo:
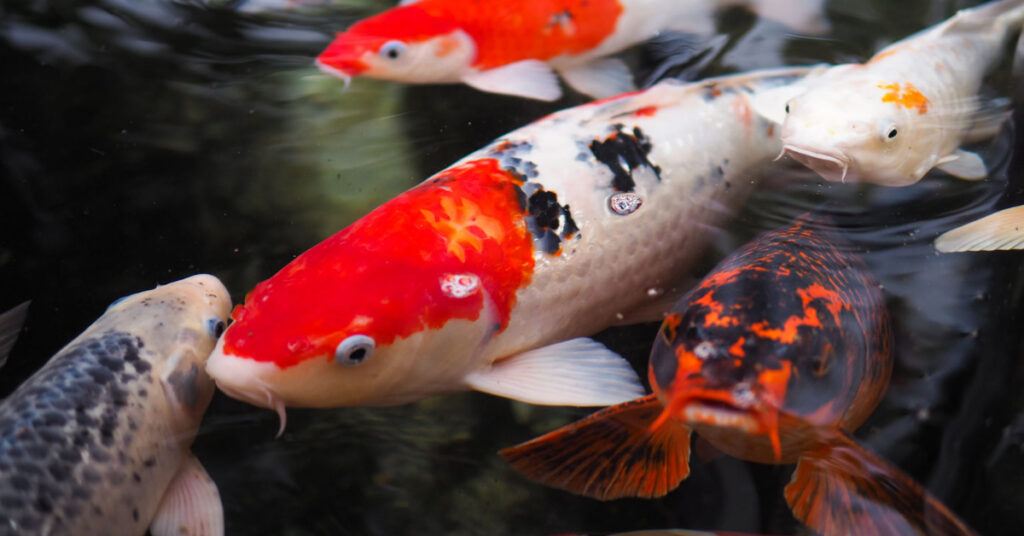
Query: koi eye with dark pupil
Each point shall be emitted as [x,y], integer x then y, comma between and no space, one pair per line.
[354,350]
[392,50]
[892,134]
[215,327]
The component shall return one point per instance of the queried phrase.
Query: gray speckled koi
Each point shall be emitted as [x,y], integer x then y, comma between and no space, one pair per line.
[97,441]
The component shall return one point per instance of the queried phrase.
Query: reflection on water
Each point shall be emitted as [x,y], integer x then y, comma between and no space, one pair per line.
[145,140]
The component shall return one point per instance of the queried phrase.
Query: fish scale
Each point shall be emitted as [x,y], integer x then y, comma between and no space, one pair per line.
[89,443]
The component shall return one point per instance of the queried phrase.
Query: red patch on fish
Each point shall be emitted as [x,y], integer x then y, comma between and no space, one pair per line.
[504,32]
[397,271]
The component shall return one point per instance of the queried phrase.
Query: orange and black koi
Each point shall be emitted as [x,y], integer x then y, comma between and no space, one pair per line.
[780,352]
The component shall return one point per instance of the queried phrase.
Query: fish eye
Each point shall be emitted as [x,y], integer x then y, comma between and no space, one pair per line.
[354,350]
[215,327]
[787,107]
[889,132]
[392,50]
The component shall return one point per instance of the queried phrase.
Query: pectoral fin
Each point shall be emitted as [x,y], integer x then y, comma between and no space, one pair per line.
[191,505]
[600,79]
[1002,230]
[577,372]
[10,326]
[610,454]
[532,79]
[963,165]
[841,488]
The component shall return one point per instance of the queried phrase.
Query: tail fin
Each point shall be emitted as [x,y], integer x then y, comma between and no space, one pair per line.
[841,488]
[610,454]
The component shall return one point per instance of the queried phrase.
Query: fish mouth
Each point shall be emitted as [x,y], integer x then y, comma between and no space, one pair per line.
[226,370]
[721,414]
[342,69]
[833,167]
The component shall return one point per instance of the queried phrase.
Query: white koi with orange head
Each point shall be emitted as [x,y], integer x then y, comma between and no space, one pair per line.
[490,274]
[891,120]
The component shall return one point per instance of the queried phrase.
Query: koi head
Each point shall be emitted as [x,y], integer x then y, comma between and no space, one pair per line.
[766,347]
[861,131]
[392,309]
[404,44]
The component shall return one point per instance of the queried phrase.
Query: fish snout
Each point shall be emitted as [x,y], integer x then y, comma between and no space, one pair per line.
[833,166]
[240,379]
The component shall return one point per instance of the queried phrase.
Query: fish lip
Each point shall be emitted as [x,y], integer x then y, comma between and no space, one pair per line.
[834,167]
[264,399]
[721,414]
[345,75]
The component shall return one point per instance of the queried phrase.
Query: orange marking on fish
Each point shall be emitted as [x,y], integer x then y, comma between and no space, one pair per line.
[462,224]
[737,348]
[908,97]
[446,46]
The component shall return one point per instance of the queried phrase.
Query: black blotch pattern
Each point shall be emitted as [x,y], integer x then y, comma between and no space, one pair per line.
[623,153]
[548,221]
[60,429]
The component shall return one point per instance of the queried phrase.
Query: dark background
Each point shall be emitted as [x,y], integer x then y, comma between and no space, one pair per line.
[142,141]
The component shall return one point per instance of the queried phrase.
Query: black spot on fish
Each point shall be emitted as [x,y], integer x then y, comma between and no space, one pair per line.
[60,471]
[91,476]
[80,492]
[100,375]
[136,478]
[141,366]
[149,462]
[69,455]
[43,504]
[110,363]
[186,387]
[99,455]
[623,153]
[569,228]
[544,209]
[20,483]
[135,514]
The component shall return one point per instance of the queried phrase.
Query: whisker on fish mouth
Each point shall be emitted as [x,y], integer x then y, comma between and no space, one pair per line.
[814,160]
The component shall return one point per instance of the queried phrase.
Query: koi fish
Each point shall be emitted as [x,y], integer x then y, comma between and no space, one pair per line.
[780,352]
[515,48]
[907,110]
[97,441]
[489,274]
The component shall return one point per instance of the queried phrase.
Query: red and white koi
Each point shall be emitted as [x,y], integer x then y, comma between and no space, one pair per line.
[486,275]
[514,47]
[907,110]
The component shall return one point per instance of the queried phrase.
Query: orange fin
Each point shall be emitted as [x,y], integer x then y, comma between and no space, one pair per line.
[610,454]
[841,488]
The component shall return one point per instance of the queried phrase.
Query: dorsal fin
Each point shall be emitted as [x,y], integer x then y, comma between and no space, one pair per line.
[841,488]
[610,454]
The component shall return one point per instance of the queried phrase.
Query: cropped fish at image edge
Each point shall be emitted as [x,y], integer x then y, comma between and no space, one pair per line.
[97,441]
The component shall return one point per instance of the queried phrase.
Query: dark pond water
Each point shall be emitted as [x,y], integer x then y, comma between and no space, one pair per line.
[145,140]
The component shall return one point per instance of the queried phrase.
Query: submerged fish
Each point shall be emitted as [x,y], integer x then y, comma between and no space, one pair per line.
[1001,230]
[780,352]
[484,275]
[97,441]
[513,47]
[907,110]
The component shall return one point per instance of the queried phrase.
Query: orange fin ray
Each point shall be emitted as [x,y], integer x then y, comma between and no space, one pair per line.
[610,454]
[841,488]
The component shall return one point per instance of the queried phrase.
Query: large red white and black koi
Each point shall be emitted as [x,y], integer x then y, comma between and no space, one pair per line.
[485,275]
